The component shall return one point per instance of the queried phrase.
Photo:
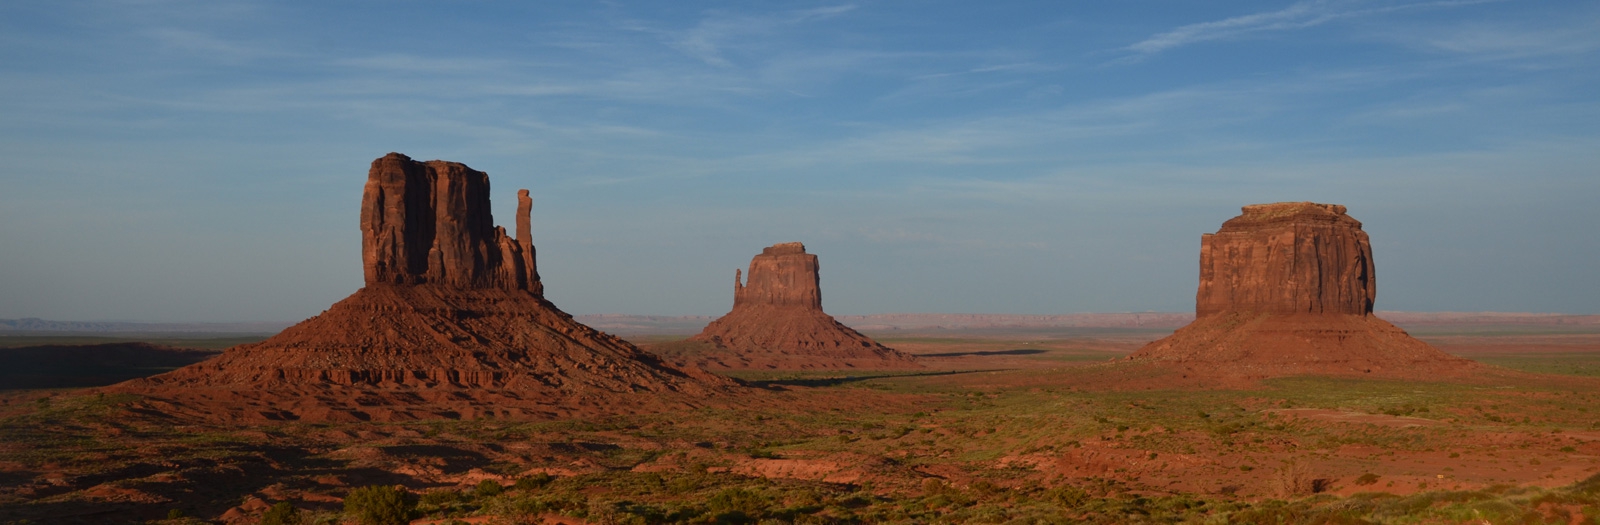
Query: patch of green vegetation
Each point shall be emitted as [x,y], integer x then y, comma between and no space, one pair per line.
[1582,365]
[379,505]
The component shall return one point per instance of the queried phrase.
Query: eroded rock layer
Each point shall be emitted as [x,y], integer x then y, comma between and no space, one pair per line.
[1288,289]
[451,324]
[1289,257]
[429,223]
[777,322]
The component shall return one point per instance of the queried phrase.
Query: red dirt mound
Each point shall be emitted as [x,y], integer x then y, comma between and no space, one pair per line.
[777,322]
[450,324]
[1287,289]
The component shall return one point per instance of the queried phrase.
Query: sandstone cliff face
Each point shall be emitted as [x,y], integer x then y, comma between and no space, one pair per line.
[1288,258]
[1288,289]
[777,322]
[451,324]
[429,222]
[784,276]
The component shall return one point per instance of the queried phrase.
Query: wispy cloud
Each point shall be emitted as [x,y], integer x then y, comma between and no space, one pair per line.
[422,64]
[1511,42]
[707,40]
[201,43]
[1298,16]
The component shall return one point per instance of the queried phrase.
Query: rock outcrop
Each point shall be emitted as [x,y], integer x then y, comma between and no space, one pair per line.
[1288,289]
[1287,258]
[429,223]
[451,324]
[777,322]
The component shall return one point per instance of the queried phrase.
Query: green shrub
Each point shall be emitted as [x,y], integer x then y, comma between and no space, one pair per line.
[1069,496]
[533,482]
[737,505]
[281,513]
[487,489]
[379,505]
[438,498]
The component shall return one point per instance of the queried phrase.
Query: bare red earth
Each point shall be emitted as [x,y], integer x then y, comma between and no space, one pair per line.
[451,324]
[1288,289]
[777,322]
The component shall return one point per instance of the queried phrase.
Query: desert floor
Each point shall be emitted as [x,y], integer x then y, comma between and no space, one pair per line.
[1004,426]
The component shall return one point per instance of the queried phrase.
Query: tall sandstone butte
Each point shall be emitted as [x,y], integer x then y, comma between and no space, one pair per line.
[1288,289]
[777,322]
[452,323]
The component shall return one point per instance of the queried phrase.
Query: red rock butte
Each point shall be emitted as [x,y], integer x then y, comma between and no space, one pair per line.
[777,322]
[452,323]
[1288,289]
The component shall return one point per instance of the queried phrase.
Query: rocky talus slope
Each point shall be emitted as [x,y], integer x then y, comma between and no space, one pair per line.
[1288,289]
[777,322]
[452,323]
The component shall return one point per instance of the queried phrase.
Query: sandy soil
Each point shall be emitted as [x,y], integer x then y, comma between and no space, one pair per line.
[1005,409]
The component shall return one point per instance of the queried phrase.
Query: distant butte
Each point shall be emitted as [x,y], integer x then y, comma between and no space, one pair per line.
[1288,289]
[452,323]
[777,322]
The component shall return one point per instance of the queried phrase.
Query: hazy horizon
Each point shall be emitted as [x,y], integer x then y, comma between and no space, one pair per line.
[188,161]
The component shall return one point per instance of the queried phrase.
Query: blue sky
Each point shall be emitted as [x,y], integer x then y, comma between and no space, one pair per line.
[203,160]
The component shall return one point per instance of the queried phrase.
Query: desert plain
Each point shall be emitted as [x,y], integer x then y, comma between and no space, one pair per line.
[1013,419]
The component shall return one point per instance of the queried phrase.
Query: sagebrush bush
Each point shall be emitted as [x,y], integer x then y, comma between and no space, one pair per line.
[379,505]
[487,489]
[533,482]
[281,513]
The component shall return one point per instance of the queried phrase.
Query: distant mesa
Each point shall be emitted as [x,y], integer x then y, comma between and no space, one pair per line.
[777,322]
[1288,289]
[452,323]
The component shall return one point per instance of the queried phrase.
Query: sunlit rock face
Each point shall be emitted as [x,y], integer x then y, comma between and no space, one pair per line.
[1287,258]
[1288,289]
[777,321]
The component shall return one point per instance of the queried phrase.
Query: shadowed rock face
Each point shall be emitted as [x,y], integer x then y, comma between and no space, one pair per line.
[451,324]
[429,222]
[1288,289]
[1288,258]
[777,322]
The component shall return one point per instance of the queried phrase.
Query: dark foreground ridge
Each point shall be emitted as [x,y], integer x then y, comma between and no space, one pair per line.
[451,324]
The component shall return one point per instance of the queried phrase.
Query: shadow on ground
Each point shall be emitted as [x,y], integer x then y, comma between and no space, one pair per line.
[1019,351]
[841,380]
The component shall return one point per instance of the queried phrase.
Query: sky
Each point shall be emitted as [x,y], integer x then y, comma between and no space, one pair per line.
[193,161]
